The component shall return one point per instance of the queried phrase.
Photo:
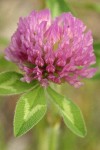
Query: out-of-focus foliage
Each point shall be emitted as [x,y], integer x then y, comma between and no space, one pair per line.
[97,76]
[58,6]
[97,53]
[2,138]
[92,6]
[88,5]
[3,41]
[97,49]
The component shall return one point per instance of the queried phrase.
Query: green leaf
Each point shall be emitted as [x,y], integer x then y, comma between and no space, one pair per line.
[70,112]
[10,83]
[30,110]
[96,46]
[96,77]
[58,6]
[6,65]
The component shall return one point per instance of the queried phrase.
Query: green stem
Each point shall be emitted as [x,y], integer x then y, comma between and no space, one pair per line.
[48,136]
[53,136]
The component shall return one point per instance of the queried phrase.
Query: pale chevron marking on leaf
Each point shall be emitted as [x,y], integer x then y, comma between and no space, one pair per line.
[70,112]
[8,88]
[67,111]
[29,113]
[9,82]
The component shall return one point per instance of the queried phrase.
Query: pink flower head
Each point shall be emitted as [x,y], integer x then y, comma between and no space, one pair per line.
[56,50]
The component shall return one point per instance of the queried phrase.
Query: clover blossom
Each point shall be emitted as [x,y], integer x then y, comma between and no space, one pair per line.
[59,50]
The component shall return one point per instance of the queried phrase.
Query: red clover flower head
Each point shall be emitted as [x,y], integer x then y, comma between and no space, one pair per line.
[59,50]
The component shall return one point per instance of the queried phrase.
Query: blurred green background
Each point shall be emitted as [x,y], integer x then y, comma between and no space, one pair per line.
[51,133]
